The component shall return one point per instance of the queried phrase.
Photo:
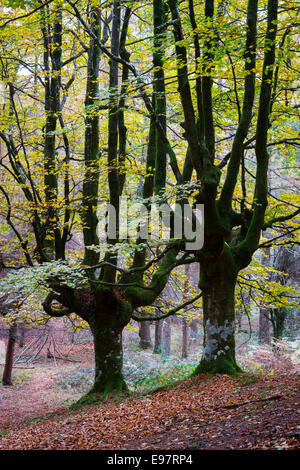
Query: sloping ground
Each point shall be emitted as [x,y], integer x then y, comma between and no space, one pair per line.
[205,412]
[36,395]
[35,391]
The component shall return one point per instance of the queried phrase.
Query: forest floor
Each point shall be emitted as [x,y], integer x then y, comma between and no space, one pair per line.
[221,412]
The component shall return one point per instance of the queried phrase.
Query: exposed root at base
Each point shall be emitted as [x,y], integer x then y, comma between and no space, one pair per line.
[219,366]
[93,397]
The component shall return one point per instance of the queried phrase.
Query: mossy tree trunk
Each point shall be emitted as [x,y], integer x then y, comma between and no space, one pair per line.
[278,317]
[226,249]
[108,359]
[107,315]
[218,281]
[91,145]
[107,304]
[50,237]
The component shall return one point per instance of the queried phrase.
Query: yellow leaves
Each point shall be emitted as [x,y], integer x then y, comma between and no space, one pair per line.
[266,287]
[131,328]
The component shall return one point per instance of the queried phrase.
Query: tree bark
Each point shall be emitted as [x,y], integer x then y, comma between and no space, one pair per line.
[219,341]
[21,336]
[264,313]
[108,360]
[264,326]
[145,337]
[194,328]
[218,283]
[91,145]
[167,337]
[278,316]
[158,337]
[184,339]
[9,358]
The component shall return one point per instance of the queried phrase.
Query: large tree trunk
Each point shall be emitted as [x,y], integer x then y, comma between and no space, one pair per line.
[107,320]
[219,317]
[108,360]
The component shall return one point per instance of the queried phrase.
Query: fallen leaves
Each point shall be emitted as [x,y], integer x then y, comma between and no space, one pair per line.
[204,413]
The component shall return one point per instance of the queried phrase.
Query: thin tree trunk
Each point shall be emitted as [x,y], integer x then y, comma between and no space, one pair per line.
[184,321]
[158,337]
[278,316]
[167,337]
[264,322]
[264,326]
[145,337]
[194,328]
[238,317]
[22,336]
[184,339]
[9,358]
[91,145]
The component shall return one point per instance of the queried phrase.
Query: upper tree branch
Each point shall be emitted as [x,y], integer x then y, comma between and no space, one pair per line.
[225,201]
[172,311]
[249,244]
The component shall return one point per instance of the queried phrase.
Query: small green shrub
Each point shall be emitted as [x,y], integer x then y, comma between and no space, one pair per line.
[154,378]
[19,378]
[79,379]
[248,379]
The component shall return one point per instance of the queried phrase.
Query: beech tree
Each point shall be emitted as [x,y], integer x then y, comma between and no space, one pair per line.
[216,84]
[99,290]
[231,236]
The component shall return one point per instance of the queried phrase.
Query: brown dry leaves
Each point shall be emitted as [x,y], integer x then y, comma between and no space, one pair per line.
[194,414]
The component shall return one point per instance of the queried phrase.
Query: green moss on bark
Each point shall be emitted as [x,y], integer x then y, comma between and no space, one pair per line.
[221,365]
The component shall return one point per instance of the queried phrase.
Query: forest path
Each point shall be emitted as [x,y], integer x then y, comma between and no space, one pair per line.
[35,391]
[26,401]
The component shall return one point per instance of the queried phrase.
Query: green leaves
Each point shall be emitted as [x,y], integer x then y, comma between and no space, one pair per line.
[39,277]
[21,3]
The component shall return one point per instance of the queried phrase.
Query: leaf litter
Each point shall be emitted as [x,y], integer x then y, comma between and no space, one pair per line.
[202,412]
